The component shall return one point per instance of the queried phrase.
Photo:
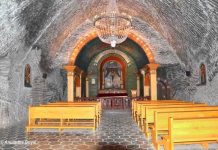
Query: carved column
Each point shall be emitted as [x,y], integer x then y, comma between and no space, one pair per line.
[81,75]
[147,85]
[121,80]
[153,80]
[138,85]
[143,81]
[87,87]
[103,86]
[79,85]
[70,83]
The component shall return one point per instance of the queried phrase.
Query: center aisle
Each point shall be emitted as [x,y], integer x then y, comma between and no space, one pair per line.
[119,131]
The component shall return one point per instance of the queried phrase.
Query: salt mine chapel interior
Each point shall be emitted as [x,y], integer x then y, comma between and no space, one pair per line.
[108,74]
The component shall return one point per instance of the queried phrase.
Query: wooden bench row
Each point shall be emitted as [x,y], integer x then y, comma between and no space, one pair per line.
[139,108]
[153,117]
[63,115]
[136,105]
[147,117]
[87,103]
[162,127]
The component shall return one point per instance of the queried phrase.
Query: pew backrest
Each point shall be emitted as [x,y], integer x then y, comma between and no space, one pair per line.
[161,118]
[147,112]
[138,105]
[97,104]
[60,112]
[76,103]
[192,130]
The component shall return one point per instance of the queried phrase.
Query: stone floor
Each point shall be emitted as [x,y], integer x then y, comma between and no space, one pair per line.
[117,131]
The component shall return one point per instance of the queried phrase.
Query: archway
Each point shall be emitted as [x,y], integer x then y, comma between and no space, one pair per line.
[87,51]
[92,35]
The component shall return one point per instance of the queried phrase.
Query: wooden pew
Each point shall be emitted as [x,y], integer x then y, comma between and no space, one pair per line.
[141,107]
[152,109]
[69,104]
[137,104]
[191,131]
[134,103]
[147,117]
[61,117]
[161,121]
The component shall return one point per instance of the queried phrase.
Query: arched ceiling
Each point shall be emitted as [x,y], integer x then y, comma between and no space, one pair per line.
[74,18]
[176,30]
[95,47]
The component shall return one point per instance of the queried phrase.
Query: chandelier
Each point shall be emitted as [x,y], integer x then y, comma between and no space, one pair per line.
[112,26]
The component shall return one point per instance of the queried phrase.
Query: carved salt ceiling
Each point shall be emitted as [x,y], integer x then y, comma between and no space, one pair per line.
[175,30]
[74,22]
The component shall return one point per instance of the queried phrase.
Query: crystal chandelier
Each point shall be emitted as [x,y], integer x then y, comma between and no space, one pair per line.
[112,27]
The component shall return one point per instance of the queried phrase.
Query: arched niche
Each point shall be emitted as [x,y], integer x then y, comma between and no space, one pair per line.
[27,76]
[93,73]
[112,69]
[203,74]
[163,89]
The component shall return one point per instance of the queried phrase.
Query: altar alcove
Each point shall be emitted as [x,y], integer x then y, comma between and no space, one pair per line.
[112,77]
[95,55]
[112,74]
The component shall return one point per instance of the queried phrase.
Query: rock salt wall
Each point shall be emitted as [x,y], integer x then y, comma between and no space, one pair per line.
[17,48]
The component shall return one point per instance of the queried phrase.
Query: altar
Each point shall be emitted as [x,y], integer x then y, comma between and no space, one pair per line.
[114,99]
[112,92]
[116,102]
